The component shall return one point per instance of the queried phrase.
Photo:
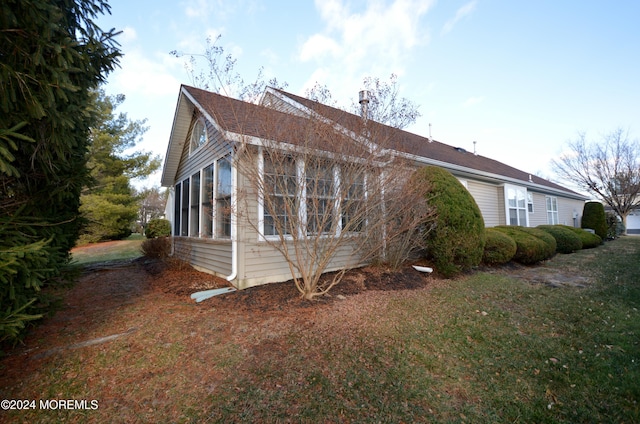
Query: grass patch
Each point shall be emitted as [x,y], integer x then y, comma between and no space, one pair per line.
[482,349]
[108,251]
[485,348]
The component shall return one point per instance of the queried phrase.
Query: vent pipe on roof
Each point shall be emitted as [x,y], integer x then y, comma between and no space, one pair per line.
[430,139]
[364,104]
[474,148]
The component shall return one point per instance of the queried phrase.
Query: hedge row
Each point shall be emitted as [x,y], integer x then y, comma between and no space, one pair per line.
[532,245]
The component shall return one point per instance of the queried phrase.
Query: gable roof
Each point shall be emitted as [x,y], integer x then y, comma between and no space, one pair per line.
[235,117]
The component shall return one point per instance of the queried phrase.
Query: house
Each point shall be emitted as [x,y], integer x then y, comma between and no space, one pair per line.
[211,228]
[633,222]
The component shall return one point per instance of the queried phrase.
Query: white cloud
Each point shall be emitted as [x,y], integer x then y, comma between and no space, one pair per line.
[471,101]
[143,75]
[465,10]
[128,35]
[375,41]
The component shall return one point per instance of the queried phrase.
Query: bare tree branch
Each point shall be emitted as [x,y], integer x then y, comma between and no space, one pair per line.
[608,168]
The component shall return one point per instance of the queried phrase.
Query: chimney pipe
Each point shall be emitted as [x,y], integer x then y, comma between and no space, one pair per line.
[364,104]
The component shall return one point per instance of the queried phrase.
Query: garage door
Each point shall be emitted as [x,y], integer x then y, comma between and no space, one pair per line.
[633,223]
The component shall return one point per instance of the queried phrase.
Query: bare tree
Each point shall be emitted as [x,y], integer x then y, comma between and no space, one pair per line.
[385,105]
[152,202]
[330,200]
[609,168]
[220,75]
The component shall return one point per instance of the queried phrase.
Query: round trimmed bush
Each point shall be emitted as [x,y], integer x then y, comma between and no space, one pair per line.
[158,228]
[456,239]
[589,240]
[567,241]
[499,247]
[533,245]
[593,217]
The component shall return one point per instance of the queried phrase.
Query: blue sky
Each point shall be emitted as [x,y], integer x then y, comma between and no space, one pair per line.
[520,78]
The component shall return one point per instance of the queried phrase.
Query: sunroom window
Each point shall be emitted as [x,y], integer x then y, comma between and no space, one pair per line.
[223,199]
[280,195]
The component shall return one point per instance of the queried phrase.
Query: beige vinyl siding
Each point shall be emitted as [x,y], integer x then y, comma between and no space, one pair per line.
[539,215]
[486,197]
[264,263]
[502,213]
[566,209]
[206,255]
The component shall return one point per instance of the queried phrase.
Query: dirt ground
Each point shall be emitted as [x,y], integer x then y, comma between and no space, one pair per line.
[154,287]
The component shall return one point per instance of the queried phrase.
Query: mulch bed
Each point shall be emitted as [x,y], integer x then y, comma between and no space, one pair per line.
[179,279]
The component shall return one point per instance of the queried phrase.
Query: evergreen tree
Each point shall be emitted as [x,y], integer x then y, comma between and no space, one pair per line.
[51,55]
[109,204]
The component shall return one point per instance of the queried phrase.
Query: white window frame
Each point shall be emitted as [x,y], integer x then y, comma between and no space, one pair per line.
[553,217]
[199,131]
[520,196]
[302,231]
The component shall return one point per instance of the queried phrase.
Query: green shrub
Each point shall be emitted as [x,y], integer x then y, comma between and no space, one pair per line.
[533,245]
[593,217]
[615,228]
[456,240]
[567,241]
[158,228]
[156,248]
[499,247]
[589,240]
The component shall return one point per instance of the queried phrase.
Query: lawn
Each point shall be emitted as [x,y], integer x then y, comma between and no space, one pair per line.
[108,251]
[488,347]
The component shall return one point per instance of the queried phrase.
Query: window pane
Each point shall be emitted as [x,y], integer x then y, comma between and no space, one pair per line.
[223,199]
[176,210]
[195,205]
[207,202]
[198,135]
[513,217]
[184,218]
[320,197]
[280,198]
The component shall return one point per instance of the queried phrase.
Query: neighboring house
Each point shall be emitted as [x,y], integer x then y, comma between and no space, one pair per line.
[633,222]
[209,227]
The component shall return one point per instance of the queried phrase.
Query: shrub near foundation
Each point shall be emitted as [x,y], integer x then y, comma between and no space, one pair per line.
[499,247]
[594,217]
[456,239]
[567,241]
[156,248]
[589,240]
[533,245]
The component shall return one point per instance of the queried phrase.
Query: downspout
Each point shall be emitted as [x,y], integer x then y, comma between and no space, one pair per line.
[234,224]
[206,294]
